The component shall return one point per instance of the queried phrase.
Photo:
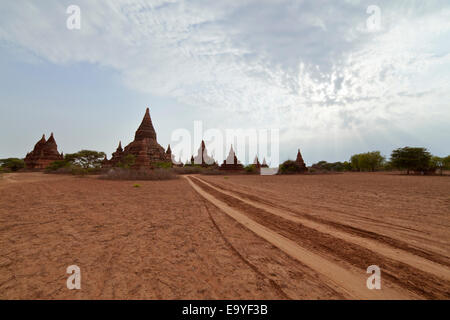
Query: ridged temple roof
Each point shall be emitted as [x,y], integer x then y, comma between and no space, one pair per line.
[146,129]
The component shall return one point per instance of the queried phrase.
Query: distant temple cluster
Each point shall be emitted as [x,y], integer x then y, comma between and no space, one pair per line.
[145,152]
[44,153]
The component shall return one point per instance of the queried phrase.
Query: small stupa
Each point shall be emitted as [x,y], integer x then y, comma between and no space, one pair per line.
[202,158]
[300,161]
[231,162]
[256,162]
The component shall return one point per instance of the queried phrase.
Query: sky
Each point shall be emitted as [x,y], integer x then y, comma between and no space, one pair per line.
[334,77]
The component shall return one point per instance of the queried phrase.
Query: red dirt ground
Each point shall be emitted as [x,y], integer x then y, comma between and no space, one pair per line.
[211,237]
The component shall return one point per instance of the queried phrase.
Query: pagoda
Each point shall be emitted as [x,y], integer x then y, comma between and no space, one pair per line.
[44,153]
[202,157]
[256,162]
[144,148]
[300,161]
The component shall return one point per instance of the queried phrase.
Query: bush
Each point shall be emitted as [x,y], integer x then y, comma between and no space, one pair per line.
[251,169]
[290,167]
[188,170]
[57,165]
[212,172]
[62,167]
[163,165]
[127,162]
[12,164]
[141,174]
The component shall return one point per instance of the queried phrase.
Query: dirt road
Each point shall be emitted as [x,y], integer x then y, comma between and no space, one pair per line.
[341,254]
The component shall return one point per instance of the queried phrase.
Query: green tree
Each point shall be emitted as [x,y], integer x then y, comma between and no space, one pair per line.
[354,162]
[370,161]
[436,163]
[411,159]
[347,166]
[446,162]
[86,158]
[13,164]
[387,166]
[333,166]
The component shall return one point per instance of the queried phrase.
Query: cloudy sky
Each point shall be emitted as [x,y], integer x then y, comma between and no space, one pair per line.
[331,81]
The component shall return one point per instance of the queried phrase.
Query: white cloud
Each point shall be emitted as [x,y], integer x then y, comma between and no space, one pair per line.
[309,66]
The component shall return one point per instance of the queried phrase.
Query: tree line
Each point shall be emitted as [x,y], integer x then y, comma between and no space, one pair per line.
[417,160]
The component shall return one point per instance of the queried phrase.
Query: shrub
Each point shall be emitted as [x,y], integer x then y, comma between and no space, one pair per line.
[212,172]
[163,165]
[290,167]
[127,162]
[59,164]
[251,169]
[141,174]
[12,164]
[187,170]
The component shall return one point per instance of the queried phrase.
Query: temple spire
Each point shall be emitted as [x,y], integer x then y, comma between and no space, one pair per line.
[300,161]
[51,139]
[146,129]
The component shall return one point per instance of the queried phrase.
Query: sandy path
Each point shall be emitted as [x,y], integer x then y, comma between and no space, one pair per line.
[411,213]
[422,283]
[393,253]
[352,283]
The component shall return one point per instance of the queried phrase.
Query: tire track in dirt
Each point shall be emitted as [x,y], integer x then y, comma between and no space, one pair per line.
[352,284]
[274,285]
[423,284]
[395,243]
[392,253]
